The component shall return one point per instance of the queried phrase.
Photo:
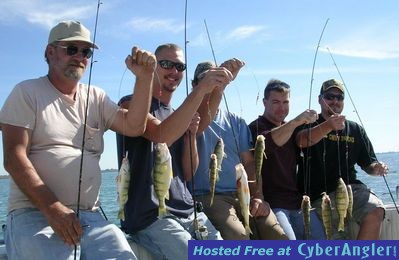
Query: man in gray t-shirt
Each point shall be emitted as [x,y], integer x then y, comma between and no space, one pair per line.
[53,198]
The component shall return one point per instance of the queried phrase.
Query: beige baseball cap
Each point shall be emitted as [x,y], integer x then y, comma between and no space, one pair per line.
[70,31]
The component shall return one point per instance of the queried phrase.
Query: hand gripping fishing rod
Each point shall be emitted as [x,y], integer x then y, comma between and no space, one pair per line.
[85,120]
[360,120]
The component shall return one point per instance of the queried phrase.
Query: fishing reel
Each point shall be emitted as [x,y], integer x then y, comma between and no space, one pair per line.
[201,233]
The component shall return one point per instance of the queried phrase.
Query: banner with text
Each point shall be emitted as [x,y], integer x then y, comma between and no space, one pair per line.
[298,249]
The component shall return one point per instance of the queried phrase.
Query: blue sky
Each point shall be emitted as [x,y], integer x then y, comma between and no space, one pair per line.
[276,39]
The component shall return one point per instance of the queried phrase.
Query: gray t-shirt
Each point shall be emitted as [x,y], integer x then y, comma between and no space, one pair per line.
[56,124]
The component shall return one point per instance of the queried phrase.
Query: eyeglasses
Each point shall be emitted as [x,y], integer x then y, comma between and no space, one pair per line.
[72,50]
[168,64]
[330,96]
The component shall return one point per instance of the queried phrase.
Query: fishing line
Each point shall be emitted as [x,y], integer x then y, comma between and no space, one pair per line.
[198,234]
[360,120]
[307,166]
[85,120]
[224,96]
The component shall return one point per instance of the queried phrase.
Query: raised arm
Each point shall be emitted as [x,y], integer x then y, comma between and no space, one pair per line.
[309,137]
[16,146]
[173,127]
[282,134]
[211,102]
[133,121]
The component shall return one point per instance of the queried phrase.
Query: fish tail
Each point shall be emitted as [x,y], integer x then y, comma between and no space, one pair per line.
[121,214]
[248,230]
[341,224]
[162,210]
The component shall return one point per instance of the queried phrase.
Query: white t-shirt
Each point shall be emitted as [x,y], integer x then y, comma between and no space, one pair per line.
[57,124]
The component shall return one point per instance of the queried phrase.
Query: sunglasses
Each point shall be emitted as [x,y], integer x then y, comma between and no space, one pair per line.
[330,96]
[168,64]
[72,50]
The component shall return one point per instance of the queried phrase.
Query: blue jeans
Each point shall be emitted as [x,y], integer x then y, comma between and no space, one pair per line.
[167,238]
[28,236]
[292,223]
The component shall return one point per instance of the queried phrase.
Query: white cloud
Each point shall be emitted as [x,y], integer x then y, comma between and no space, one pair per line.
[378,41]
[145,24]
[43,13]
[244,32]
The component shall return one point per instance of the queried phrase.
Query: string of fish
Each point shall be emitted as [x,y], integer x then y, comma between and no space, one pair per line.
[241,180]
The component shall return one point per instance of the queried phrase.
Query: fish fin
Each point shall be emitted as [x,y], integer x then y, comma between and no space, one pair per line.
[167,195]
[264,154]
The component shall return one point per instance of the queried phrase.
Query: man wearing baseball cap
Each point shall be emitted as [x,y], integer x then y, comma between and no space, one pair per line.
[43,122]
[335,146]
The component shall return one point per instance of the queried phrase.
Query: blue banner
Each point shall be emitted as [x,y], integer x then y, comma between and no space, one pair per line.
[297,249]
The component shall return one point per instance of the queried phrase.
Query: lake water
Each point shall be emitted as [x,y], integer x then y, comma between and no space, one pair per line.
[110,206]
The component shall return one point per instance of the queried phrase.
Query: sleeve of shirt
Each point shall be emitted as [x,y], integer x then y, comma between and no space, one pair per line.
[19,109]
[367,155]
[245,136]
[109,110]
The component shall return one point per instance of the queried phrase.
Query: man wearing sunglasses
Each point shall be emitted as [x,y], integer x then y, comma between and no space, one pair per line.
[167,237]
[334,146]
[43,128]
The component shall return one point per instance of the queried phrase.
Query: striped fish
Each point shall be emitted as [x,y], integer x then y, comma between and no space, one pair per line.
[243,195]
[305,206]
[162,176]
[122,186]
[213,176]
[259,154]
[219,151]
[350,197]
[326,215]
[341,203]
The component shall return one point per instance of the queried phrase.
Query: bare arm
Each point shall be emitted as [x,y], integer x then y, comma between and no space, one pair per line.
[283,133]
[173,127]
[309,137]
[190,153]
[211,102]
[16,146]
[132,122]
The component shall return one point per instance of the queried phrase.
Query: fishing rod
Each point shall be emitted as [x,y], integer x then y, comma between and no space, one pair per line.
[360,120]
[307,167]
[199,229]
[224,96]
[85,120]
